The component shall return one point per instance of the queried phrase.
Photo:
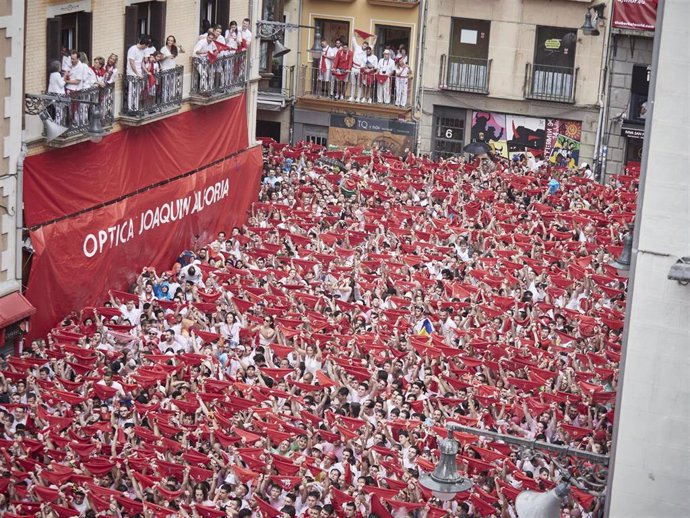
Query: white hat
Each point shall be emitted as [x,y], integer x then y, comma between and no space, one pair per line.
[584,165]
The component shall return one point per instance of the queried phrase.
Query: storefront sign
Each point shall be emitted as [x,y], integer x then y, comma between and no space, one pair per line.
[635,132]
[637,15]
[396,127]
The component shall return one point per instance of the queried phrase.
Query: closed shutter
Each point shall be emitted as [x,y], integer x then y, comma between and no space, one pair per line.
[157,24]
[53,43]
[84,32]
[131,32]
[223,13]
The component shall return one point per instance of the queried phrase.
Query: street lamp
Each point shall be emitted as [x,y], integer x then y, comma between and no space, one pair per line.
[445,482]
[39,104]
[622,262]
[531,504]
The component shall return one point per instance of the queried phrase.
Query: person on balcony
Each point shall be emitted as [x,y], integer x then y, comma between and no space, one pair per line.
[245,35]
[169,53]
[402,78]
[90,78]
[369,76]
[74,78]
[135,72]
[325,67]
[340,70]
[359,58]
[111,72]
[232,40]
[343,69]
[201,50]
[56,85]
[383,78]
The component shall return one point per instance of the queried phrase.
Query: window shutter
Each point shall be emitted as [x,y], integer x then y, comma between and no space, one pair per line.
[157,24]
[84,33]
[223,13]
[131,35]
[53,43]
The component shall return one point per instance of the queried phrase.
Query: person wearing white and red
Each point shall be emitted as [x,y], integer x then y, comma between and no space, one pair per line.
[386,67]
[368,76]
[402,81]
[359,58]
[342,62]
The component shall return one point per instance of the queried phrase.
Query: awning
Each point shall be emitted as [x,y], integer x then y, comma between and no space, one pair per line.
[269,105]
[13,308]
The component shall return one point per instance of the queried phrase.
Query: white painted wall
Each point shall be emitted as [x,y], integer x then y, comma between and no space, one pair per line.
[651,464]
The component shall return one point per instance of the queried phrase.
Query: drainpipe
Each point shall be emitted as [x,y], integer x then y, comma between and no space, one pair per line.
[19,216]
[604,94]
[418,108]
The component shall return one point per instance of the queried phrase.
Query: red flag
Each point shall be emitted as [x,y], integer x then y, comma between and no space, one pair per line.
[363,34]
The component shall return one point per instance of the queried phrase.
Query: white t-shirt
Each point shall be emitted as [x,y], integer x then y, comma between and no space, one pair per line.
[56,84]
[137,55]
[168,61]
[78,72]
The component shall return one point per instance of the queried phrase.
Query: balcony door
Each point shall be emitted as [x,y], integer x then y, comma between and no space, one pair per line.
[145,18]
[553,74]
[392,37]
[214,12]
[69,31]
[468,60]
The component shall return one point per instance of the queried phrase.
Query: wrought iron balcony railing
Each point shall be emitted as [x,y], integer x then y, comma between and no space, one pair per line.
[363,88]
[280,81]
[225,75]
[548,83]
[152,95]
[465,74]
[71,110]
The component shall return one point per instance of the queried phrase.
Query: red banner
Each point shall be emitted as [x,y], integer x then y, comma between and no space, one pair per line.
[68,180]
[637,15]
[79,259]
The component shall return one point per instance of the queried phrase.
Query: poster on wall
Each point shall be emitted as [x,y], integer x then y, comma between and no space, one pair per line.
[390,135]
[490,128]
[562,143]
[525,134]
[638,15]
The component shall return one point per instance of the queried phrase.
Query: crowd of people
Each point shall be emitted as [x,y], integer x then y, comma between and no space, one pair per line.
[356,74]
[306,364]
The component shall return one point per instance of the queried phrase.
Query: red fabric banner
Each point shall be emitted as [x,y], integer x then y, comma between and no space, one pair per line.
[68,180]
[105,248]
[637,15]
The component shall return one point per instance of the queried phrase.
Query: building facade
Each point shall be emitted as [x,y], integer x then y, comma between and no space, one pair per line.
[629,72]
[14,309]
[520,75]
[376,105]
[124,145]
[651,453]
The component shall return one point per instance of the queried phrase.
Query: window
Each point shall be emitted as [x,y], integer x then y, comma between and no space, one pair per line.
[214,12]
[68,31]
[449,132]
[639,91]
[392,37]
[553,72]
[316,134]
[331,30]
[145,18]
[468,57]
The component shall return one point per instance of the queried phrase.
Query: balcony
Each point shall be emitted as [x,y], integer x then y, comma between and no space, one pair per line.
[71,111]
[547,83]
[388,99]
[462,74]
[213,82]
[408,4]
[276,89]
[150,98]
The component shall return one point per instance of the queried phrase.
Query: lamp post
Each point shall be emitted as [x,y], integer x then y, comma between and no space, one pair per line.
[445,482]
[39,104]
[622,262]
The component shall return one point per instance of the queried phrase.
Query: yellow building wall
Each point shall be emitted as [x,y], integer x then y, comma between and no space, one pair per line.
[512,40]
[362,15]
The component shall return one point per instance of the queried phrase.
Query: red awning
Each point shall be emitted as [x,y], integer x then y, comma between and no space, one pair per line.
[14,307]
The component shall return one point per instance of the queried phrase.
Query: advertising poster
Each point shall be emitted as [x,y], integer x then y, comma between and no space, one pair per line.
[490,128]
[639,15]
[390,135]
[562,143]
[525,134]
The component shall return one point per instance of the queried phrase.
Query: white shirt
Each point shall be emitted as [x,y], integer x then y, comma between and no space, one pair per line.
[246,35]
[203,47]
[372,61]
[66,63]
[168,61]
[137,55]
[359,57]
[78,72]
[89,77]
[386,66]
[56,84]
